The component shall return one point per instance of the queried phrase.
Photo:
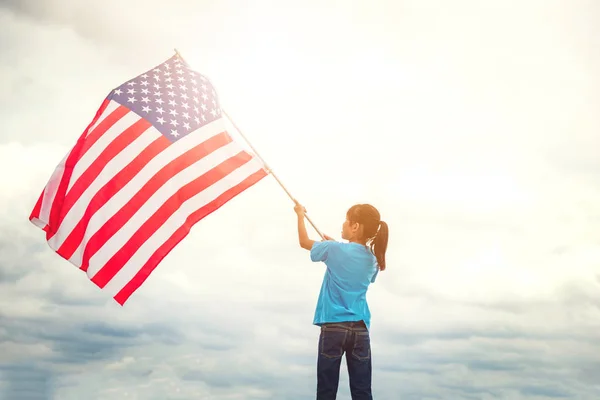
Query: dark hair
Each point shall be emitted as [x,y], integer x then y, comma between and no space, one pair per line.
[374,229]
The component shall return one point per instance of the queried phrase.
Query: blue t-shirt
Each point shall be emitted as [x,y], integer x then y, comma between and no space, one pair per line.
[351,268]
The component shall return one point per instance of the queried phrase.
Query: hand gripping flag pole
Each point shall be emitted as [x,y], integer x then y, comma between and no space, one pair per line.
[267,168]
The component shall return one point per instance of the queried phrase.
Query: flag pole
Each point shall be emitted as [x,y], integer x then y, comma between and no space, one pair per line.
[267,168]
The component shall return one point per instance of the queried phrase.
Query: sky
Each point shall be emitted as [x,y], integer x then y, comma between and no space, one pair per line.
[472,126]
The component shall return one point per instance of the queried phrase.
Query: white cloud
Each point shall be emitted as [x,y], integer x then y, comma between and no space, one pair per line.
[472,127]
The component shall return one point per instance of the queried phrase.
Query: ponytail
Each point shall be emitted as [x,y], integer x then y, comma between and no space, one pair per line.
[379,244]
[375,231]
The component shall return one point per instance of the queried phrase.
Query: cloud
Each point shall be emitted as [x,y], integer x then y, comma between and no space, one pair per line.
[477,142]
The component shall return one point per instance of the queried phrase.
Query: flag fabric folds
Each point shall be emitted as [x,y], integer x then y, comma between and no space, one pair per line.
[154,161]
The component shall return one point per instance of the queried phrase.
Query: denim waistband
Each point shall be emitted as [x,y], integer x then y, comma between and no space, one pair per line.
[346,325]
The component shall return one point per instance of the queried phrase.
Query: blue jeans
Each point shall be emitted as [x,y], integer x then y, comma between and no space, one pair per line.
[336,339]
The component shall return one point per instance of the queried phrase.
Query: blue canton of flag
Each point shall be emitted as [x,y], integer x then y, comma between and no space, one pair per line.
[175,99]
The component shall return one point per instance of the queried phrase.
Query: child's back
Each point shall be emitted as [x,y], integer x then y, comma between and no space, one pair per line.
[351,267]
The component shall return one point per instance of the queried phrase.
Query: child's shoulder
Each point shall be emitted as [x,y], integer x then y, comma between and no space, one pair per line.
[344,247]
[328,245]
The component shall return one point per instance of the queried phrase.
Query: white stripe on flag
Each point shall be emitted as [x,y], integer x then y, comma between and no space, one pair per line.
[102,143]
[112,245]
[112,168]
[125,194]
[112,106]
[50,191]
[176,220]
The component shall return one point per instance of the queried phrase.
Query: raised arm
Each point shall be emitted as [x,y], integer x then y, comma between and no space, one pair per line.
[303,239]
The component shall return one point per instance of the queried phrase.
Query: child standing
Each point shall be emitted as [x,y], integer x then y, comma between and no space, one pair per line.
[342,311]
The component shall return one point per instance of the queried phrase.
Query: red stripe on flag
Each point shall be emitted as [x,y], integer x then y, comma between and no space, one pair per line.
[128,136]
[35,213]
[116,222]
[160,216]
[102,127]
[111,188]
[74,155]
[181,233]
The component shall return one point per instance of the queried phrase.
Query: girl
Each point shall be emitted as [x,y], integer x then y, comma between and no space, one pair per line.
[342,311]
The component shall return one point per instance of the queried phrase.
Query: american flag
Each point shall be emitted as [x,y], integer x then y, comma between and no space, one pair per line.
[154,161]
